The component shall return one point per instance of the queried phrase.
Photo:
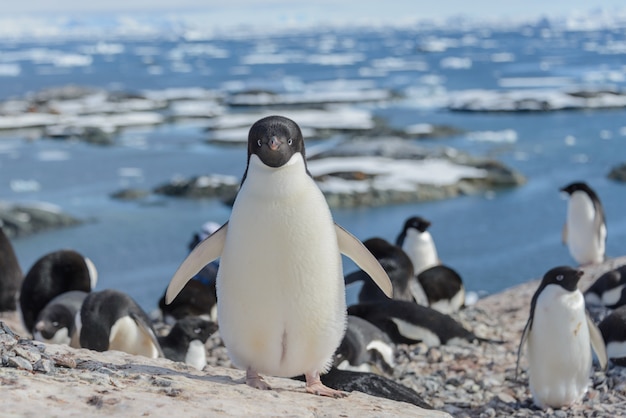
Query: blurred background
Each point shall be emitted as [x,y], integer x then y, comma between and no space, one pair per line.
[102,97]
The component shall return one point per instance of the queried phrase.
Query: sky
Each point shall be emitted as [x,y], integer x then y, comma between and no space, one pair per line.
[272,12]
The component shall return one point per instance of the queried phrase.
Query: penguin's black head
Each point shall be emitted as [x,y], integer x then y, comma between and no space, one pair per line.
[564,276]
[418,223]
[275,139]
[577,186]
[193,328]
[54,318]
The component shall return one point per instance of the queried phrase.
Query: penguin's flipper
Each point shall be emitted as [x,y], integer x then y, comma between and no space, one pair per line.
[564,234]
[205,252]
[353,248]
[147,331]
[597,343]
[521,343]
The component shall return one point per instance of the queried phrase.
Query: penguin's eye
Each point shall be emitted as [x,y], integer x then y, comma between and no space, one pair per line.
[290,141]
[55,323]
[559,277]
[258,142]
[196,330]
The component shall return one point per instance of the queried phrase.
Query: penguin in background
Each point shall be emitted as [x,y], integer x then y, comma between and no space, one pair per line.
[55,323]
[112,320]
[584,231]
[418,244]
[365,348]
[52,274]
[11,275]
[443,288]
[560,336]
[280,284]
[398,267]
[186,341]
[613,329]
[609,289]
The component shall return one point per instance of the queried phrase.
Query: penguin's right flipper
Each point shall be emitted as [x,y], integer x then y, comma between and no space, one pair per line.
[597,343]
[205,252]
[521,343]
[564,234]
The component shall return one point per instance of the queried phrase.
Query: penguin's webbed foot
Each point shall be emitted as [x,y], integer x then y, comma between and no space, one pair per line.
[315,386]
[254,380]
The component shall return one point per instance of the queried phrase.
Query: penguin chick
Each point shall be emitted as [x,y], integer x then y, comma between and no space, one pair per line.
[185,341]
[55,323]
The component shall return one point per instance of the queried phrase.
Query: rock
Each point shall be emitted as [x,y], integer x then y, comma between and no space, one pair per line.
[207,186]
[618,173]
[130,194]
[20,220]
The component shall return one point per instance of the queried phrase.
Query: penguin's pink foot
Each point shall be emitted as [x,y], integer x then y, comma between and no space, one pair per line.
[315,386]
[254,380]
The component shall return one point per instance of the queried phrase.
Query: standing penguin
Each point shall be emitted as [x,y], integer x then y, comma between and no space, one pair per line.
[584,231]
[280,289]
[560,336]
[10,274]
[417,242]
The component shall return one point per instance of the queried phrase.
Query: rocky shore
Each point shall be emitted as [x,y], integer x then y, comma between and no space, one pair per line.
[468,380]
[19,220]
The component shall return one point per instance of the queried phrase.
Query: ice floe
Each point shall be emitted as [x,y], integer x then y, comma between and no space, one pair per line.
[506,135]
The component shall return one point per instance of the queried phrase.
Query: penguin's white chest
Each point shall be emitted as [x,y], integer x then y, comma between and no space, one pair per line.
[586,244]
[281,297]
[421,249]
[559,349]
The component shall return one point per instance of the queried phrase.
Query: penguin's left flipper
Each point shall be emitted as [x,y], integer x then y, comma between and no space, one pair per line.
[564,234]
[146,329]
[205,252]
[529,324]
[350,246]
[597,343]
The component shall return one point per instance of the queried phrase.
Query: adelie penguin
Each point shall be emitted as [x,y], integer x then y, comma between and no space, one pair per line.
[10,274]
[609,289]
[613,329]
[112,320]
[54,273]
[280,284]
[365,348]
[56,322]
[185,341]
[584,231]
[560,335]
[418,244]
[410,323]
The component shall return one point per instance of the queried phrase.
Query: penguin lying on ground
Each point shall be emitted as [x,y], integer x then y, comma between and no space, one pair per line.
[112,320]
[372,384]
[609,289]
[410,323]
[197,298]
[55,323]
[10,274]
[365,348]
[185,341]
[560,336]
[54,273]
[613,329]
[443,288]
[584,231]
[280,284]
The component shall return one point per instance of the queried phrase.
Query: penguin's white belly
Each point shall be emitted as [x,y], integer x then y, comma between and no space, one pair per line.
[583,242]
[281,297]
[127,337]
[421,250]
[559,350]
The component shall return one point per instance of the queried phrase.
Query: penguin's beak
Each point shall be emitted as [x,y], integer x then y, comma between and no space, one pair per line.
[274,143]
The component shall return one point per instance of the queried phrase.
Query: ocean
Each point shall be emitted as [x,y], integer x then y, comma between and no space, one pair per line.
[495,240]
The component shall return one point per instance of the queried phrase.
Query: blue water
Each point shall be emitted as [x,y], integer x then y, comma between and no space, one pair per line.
[493,240]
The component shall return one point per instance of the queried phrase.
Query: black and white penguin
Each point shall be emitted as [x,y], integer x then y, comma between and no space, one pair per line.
[397,265]
[372,384]
[584,231]
[365,348]
[186,341]
[443,288]
[112,320]
[54,273]
[280,283]
[609,289]
[11,275]
[418,243]
[410,323]
[613,329]
[560,337]
[56,322]
[197,298]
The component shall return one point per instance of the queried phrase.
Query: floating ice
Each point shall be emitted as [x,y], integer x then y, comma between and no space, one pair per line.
[506,135]
[10,70]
